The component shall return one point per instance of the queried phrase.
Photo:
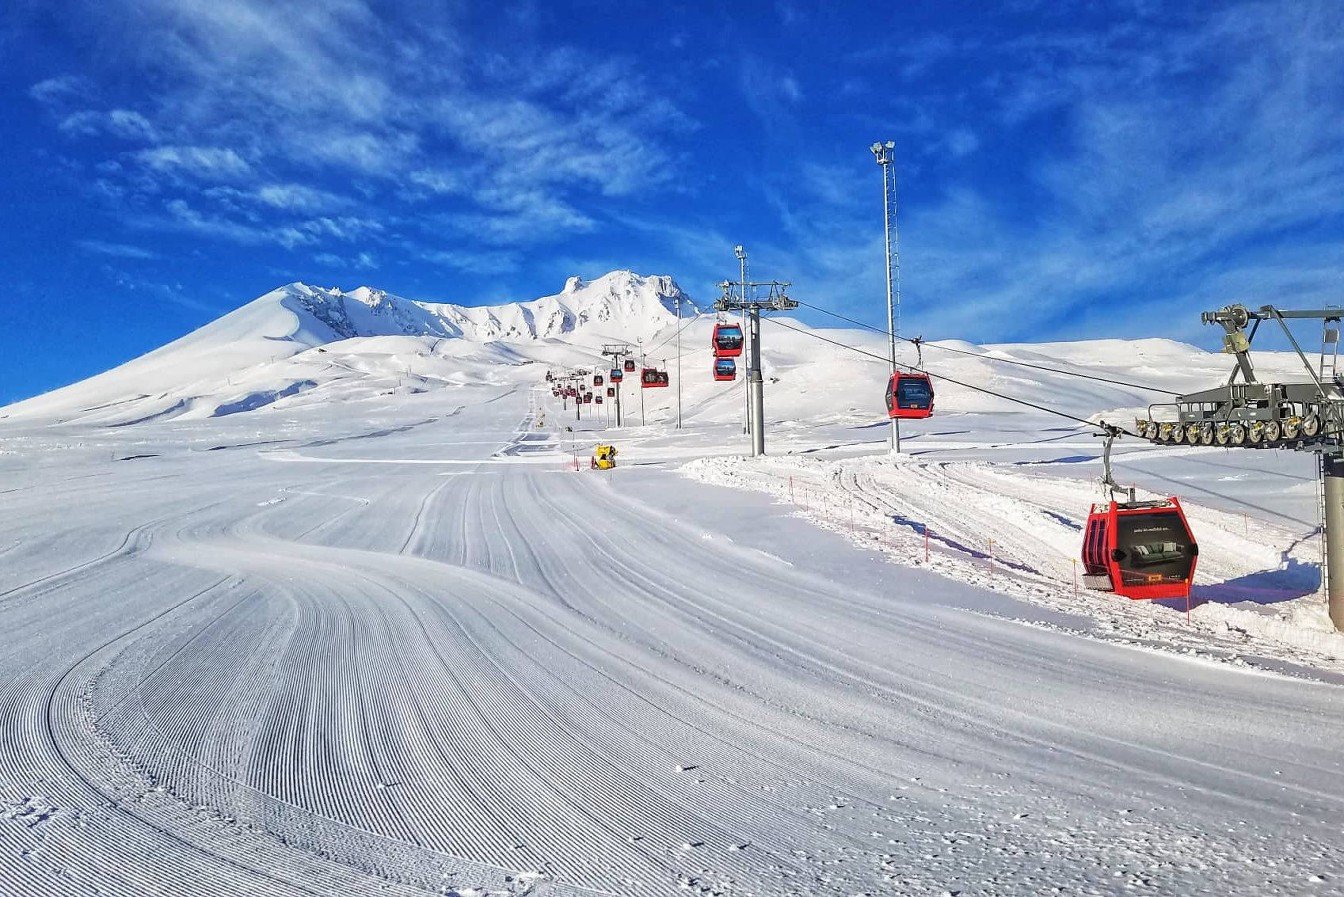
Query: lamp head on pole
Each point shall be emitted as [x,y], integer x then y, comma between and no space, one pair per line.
[739,251]
[882,152]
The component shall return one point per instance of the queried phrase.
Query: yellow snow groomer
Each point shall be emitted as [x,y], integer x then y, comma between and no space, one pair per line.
[604,457]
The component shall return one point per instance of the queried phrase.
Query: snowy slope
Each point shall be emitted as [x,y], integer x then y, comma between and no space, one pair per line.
[381,634]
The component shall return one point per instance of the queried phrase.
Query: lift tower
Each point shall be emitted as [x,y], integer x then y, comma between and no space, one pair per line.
[618,352]
[775,299]
[1306,415]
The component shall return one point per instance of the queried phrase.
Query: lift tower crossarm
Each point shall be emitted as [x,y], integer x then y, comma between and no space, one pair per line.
[1234,319]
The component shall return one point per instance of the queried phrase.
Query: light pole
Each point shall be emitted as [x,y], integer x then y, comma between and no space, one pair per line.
[882,153]
[678,362]
[741,254]
[643,365]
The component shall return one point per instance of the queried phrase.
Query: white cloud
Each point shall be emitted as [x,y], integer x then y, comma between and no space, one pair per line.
[269,103]
[1169,157]
[123,123]
[480,262]
[363,260]
[117,250]
[205,162]
[59,89]
[298,198]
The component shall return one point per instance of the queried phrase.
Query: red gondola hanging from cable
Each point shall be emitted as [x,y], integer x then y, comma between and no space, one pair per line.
[598,399]
[611,392]
[629,365]
[597,379]
[725,369]
[652,378]
[1139,549]
[727,340]
[909,396]
[617,375]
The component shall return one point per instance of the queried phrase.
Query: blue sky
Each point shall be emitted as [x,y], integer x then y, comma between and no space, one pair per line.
[1067,170]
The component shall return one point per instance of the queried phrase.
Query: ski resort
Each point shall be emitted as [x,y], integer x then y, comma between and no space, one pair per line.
[555,450]
[335,595]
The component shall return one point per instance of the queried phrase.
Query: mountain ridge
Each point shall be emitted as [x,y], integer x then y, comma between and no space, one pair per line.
[237,362]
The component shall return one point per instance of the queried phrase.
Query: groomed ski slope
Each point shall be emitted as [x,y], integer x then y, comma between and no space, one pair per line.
[407,649]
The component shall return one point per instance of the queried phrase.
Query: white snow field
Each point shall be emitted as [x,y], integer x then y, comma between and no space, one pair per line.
[315,602]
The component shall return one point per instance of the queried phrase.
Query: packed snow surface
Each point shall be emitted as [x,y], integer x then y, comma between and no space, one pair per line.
[315,601]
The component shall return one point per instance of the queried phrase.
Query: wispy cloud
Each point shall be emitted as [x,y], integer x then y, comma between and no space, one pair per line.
[205,162]
[125,124]
[1165,158]
[271,103]
[117,250]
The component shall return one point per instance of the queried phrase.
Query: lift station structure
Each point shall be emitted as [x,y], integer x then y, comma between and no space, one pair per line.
[1246,412]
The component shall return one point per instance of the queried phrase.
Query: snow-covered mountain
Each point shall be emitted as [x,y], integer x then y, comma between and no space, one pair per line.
[619,305]
[300,337]
[300,346]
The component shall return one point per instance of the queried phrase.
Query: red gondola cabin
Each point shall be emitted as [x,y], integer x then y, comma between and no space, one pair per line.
[617,375]
[597,379]
[652,378]
[909,396]
[727,341]
[629,366]
[1139,549]
[725,369]
[611,392]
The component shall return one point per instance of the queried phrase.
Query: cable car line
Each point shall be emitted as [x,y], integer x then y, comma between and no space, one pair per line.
[885,360]
[1133,549]
[1026,364]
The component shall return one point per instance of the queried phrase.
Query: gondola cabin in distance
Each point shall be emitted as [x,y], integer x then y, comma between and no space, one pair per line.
[725,369]
[1139,549]
[909,396]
